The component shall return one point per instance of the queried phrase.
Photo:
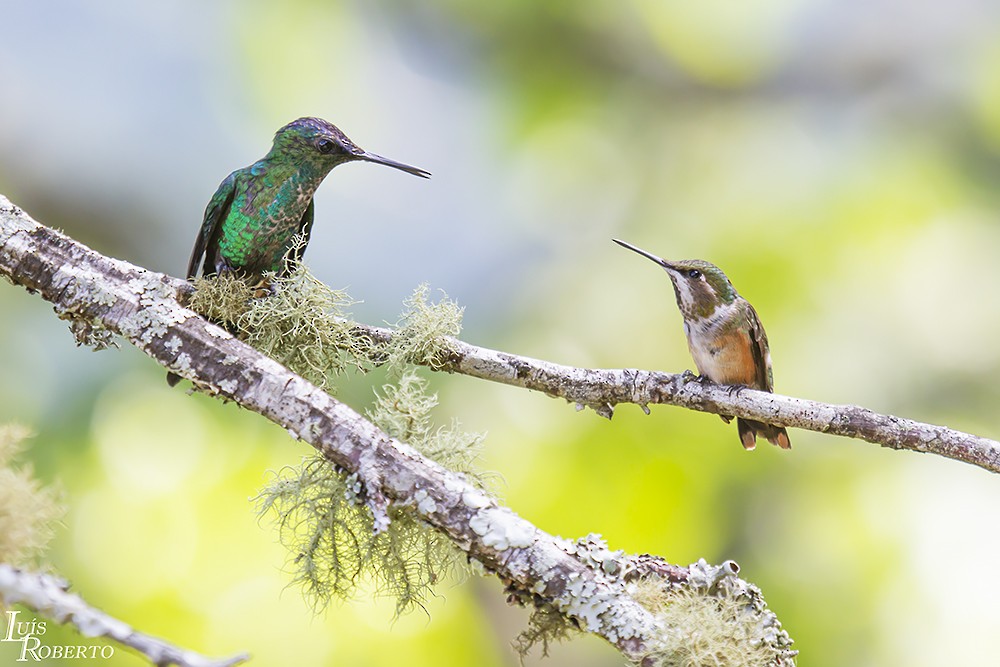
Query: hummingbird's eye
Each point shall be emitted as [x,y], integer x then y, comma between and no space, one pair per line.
[694,274]
[325,146]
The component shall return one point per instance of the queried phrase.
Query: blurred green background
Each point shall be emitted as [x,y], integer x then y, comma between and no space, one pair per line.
[838,160]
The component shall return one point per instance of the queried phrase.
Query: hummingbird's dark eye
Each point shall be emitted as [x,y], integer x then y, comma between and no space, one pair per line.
[325,146]
[694,274]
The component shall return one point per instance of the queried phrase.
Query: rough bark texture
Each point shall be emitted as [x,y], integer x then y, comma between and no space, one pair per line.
[603,389]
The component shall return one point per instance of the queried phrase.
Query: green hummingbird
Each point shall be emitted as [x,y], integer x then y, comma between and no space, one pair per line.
[724,335]
[252,219]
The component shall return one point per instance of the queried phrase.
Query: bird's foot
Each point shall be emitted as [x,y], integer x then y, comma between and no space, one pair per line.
[735,389]
[689,376]
[264,289]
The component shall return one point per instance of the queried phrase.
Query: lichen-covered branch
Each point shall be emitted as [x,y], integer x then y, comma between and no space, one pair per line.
[602,389]
[584,582]
[50,597]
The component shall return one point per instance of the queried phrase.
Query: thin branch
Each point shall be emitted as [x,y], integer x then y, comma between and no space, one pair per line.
[602,389]
[50,597]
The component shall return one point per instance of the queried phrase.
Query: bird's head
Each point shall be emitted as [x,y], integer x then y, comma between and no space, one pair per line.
[315,141]
[700,286]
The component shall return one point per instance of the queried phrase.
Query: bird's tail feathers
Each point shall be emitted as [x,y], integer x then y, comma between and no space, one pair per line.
[749,430]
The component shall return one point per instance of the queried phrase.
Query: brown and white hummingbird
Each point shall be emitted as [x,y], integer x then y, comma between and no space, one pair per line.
[724,335]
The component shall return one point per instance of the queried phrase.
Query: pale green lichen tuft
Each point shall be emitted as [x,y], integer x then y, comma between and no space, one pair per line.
[702,630]
[716,620]
[299,322]
[420,337]
[303,325]
[330,530]
[403,410]
[223,298]
[712,619]
[29,511]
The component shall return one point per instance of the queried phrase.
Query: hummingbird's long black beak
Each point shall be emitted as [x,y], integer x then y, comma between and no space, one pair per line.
[659,260]
[378,159]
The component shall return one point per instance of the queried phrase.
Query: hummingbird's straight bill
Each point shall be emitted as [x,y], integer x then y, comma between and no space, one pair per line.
[378,159]
[659,260]
[724,334]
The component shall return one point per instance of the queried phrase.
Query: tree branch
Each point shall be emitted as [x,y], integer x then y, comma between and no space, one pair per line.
[583,581]
[101,295]
[50,596]
[602,389]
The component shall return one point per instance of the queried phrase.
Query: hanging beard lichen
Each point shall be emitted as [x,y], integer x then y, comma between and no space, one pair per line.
[320,511]
[330,531]
[546,625]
